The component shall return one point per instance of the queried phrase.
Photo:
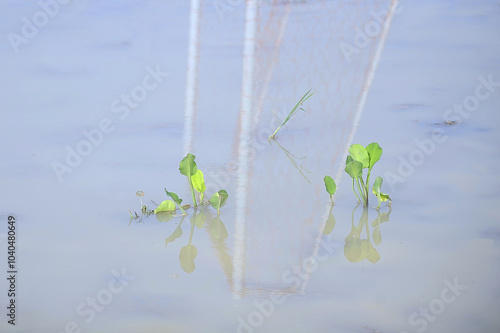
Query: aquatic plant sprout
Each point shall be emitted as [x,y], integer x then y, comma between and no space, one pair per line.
[330,186]
[296,107]
[218,200]
[167,208]
[188,168]
[364,158]
[376,190]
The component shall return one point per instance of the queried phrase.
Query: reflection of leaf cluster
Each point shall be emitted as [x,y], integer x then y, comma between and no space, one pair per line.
[355,248]
[167,208]
[189,252]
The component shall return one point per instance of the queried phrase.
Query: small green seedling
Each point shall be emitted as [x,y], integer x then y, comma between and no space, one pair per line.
[199,184]
[177,200]
[331,187]
[297,107]
[362,158]
[376,190]
[218,200]
[188,168]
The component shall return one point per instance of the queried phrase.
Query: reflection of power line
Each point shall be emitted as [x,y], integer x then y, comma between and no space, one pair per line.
[244,144]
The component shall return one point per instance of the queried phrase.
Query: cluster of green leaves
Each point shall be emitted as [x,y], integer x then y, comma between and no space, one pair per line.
[361,158]
[188,168]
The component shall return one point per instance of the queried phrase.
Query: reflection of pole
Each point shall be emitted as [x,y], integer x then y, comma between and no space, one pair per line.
[362,99]
[244,145]
[369,78]
[271,63]
[192,73]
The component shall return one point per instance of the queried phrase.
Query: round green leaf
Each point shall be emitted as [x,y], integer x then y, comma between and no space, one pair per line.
[359,153]
[354,169]
[188,167]
[374,153]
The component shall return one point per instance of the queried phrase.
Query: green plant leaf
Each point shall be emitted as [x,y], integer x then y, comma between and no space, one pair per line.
[188,167]
[187,255]
[199,183]
[330,185]
[219,199]
[374,153]
[174,197]
[359,153]
[348,159]
[354,169]
[167,205]
[377,185]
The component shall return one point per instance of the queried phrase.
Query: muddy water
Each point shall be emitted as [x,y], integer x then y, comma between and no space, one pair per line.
[279,257]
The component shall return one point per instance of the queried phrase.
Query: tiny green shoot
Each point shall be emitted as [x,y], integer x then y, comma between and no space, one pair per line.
[331,187]
[218,200]
[188,168]
[376,190]
[297,107]
[177,200]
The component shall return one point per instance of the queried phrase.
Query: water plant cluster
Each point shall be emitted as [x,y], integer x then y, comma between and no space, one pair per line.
[188,168]
[361,158]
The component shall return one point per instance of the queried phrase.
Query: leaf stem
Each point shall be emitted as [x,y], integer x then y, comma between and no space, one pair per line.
[361,192]
[357,196]
[192,192]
